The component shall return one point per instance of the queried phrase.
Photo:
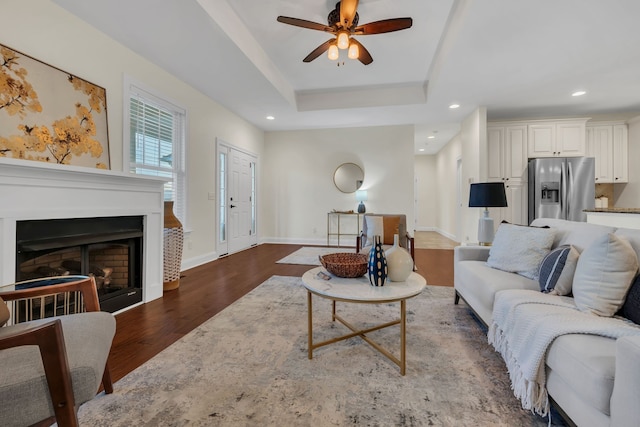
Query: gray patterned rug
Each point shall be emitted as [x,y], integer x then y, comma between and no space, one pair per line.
[248,366]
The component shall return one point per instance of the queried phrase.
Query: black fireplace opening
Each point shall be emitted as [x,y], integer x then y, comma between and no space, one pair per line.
[107,248]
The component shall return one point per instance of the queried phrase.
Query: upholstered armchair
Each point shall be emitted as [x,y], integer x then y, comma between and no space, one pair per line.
[384,225]
[52,365]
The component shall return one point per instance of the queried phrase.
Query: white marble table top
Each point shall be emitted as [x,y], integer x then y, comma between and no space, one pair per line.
[359,289]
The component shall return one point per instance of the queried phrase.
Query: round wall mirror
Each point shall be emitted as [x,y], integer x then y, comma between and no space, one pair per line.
[348,177]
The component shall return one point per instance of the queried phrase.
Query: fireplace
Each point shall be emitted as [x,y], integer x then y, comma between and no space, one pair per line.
[36,192]
[108,248]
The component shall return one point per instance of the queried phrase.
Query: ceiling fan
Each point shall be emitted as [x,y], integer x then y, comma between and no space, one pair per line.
[343,23]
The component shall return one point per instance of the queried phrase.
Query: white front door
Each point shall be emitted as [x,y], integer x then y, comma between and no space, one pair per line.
[241,201]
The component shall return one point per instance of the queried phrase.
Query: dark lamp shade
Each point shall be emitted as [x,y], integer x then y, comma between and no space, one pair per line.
[487,195]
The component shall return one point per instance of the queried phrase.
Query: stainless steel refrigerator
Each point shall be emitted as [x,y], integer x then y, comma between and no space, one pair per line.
[561,187]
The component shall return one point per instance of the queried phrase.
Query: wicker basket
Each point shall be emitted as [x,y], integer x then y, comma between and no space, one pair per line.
[345,264]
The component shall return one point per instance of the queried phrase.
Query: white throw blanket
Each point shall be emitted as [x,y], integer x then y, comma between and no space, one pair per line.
[524,325]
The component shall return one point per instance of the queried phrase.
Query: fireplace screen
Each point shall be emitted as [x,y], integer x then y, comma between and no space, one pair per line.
[107,248]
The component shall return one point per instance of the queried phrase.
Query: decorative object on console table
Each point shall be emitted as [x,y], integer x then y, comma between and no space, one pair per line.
[361,196]
[378,269]
[399,261]
[487,195]
[173,241]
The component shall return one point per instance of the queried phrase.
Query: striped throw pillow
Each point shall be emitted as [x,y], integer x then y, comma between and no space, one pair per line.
[556,270]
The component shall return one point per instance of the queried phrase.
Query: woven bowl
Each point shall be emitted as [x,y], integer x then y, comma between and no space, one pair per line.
[345,264]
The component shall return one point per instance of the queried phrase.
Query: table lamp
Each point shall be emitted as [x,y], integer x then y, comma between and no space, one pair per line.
[487,195]
[361,196]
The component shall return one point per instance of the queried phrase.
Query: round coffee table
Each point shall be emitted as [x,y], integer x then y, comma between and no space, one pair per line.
[359,291]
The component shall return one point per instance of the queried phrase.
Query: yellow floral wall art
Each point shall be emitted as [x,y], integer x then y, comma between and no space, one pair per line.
[49,115]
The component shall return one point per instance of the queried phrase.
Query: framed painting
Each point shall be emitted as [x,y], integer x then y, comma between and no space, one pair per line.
[49,115]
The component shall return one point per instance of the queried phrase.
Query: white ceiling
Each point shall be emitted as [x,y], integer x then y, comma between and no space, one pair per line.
[519,58]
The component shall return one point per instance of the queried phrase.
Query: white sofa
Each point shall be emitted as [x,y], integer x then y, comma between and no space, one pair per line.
[591,380]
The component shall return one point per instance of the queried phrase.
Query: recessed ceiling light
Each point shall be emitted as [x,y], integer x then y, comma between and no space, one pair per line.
[452,106]
[578,93]
[422,149]
[431,137]
[270,118]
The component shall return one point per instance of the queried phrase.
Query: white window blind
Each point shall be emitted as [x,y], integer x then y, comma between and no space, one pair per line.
[156,143]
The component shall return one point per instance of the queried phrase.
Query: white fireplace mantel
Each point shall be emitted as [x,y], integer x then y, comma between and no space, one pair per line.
[32,190]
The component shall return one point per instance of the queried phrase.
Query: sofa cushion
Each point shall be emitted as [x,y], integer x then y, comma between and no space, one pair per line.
[557,269]
[586,363]
[633,236]
[520,249]
[578,234]
[631,307]
[604,274]
[478,284]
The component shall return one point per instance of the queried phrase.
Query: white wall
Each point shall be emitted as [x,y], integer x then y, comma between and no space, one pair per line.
[427,197]
[47,32]
[628,195]
[474,168]
[470,145]
[298,188]
[447,208]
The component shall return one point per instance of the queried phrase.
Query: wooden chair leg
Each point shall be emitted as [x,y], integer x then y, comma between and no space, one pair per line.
[106,380]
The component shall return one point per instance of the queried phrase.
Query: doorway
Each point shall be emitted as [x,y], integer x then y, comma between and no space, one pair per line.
[237,199]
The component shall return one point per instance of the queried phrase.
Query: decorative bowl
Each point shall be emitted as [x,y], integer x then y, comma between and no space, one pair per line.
[345,264]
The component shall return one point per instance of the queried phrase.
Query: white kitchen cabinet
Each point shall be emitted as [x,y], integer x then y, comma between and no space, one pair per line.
[507,153]
[556,138]
[600,147]
[620,153]
[608,143]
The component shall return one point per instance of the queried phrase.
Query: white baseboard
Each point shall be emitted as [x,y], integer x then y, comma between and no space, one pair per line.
[199,260]
[424,228]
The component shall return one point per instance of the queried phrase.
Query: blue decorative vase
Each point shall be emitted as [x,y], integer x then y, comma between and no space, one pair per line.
[377,263]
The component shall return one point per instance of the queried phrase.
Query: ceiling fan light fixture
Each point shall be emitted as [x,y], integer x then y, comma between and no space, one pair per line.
[333,52]
[354,51]
[343,40]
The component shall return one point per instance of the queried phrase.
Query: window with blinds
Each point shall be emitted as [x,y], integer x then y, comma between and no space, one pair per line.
[156,144]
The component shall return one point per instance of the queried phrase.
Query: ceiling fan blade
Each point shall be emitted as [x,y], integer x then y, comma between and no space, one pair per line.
[347,12]
[384,26]
[364,56]
[305,24]
[319,50]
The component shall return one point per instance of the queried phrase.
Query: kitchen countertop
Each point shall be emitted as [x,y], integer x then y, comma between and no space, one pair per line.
[615,210]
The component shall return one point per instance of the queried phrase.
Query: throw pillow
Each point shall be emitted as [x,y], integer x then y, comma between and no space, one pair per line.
[520,250]
[383,226]
[4,312]
[631,307]
[556,271]
[604,274]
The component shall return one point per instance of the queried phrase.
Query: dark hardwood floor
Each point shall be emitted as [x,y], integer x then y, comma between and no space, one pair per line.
[144,331]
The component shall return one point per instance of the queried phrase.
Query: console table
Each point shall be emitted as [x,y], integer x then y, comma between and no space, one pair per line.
[343,224]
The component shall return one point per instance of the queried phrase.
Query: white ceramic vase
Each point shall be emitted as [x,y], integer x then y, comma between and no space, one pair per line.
[399,262]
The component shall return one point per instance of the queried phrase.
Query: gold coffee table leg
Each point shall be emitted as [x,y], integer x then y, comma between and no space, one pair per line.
[310,325]
[403,336]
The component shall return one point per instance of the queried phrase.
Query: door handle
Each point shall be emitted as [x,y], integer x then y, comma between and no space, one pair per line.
[232,206]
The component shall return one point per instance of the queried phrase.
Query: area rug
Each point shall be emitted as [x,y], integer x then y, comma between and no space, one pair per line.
[308,255]
[248,366]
